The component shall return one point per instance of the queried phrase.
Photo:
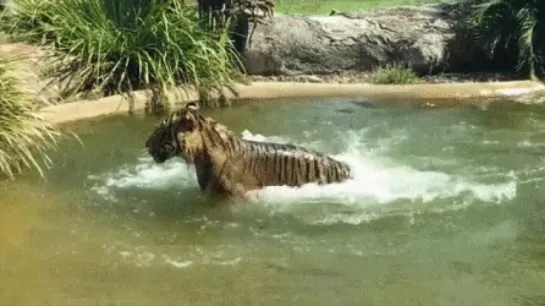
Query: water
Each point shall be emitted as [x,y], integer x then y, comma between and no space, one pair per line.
[445,209]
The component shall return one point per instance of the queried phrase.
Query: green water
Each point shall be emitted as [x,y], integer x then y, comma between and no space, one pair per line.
[444,210]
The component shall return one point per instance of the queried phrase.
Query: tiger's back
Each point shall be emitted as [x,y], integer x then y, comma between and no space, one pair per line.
[276,164]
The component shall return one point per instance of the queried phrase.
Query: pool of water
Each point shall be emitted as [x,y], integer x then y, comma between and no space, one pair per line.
[444,210]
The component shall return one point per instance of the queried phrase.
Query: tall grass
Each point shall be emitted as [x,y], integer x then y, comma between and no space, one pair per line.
[25,137]
[512,27]
[124,45]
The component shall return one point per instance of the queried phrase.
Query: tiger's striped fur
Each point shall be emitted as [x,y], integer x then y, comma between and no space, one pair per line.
[229,165]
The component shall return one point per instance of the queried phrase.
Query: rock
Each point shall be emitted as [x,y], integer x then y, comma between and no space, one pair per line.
[428,38]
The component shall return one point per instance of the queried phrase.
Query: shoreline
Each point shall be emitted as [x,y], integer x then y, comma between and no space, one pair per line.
[427,94]
[357,77]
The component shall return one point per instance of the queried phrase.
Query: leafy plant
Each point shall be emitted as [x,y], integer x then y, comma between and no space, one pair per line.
[23,25]
[25,137]
[124,45]
[394,74]
[512,28]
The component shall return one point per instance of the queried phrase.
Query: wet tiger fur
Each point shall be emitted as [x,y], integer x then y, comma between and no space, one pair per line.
[228,165]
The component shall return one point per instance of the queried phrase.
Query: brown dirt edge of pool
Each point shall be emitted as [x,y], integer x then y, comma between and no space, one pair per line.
[431,94]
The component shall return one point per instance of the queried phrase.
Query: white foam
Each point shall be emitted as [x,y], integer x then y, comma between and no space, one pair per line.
[142,257]
[376,180]
[146,174]
[177,263]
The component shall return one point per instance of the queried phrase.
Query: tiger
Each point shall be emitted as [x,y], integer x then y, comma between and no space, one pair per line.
[229,166]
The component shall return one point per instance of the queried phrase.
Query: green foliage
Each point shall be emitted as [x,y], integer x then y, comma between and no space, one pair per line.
[24,135]
[27,19]
[124,45]
[394,74]
[506,27]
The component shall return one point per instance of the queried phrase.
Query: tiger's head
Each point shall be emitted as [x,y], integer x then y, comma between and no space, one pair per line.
[182,133]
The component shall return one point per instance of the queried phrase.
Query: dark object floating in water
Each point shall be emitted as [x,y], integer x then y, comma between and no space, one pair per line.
[364,104]
[345,110]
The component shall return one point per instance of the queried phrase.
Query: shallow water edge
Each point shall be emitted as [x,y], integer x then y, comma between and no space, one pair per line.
[425,94]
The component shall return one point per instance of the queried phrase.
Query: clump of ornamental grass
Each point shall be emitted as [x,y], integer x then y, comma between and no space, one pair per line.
[394,74]
[25,137]
[119,46]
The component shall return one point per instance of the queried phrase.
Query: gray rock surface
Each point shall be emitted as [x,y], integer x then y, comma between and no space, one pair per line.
[427,38]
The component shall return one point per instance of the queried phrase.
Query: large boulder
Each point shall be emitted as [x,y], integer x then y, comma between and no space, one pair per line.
[429,38]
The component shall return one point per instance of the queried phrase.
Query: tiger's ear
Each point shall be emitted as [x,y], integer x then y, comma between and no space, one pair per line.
[192,106]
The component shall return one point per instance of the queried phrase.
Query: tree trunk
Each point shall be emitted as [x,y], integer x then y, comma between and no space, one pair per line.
[238,29]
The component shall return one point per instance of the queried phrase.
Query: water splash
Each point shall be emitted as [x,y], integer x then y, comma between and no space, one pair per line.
[377,180]
[146,174]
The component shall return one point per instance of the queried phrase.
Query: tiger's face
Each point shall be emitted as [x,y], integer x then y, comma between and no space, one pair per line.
[178,134]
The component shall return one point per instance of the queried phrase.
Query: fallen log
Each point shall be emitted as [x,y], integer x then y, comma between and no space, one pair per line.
[428,38]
